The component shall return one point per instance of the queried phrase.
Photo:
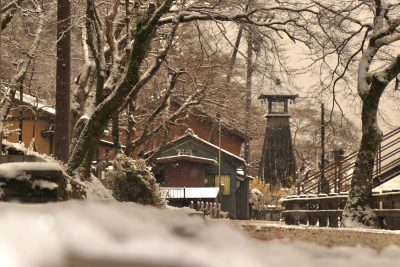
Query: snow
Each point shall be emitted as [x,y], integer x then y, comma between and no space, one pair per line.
[16,170]
[127,234]
[95,190]
[191,192]
[189,132]
[34,102]
[43,184]
[21,147]
[394,183]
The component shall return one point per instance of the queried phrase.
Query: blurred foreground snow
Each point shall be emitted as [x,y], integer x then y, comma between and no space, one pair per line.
[124,234]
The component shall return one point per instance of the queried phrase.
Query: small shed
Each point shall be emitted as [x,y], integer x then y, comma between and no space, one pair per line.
[190,161]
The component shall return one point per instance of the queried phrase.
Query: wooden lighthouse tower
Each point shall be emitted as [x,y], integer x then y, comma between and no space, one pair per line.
[278,165]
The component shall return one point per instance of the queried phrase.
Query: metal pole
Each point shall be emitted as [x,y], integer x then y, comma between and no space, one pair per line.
[219,151]
[324,185]
[21,99]
[62,122]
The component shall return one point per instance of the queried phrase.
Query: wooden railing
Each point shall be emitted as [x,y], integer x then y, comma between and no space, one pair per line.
[338,174]
[326,210]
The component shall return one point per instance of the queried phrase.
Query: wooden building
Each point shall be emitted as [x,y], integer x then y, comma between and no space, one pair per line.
[190,161]
[278,165]
[36,120]
[204,125]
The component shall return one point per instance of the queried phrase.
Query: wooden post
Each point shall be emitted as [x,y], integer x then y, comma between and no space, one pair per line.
[333,205]
[63,80]
[21,98]
[340,178]
[323,205]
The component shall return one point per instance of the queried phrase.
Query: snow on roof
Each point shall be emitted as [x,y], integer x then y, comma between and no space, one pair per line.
[36,103]
[278,89]
[187,158]
[17,170]
[190,133]
[190,192]
[393,183]
[110,143]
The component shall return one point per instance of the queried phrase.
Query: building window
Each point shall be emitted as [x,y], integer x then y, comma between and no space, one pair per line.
[278,107]
[224,180]
[186,152]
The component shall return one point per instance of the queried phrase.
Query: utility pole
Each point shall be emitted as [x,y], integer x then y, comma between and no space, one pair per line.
[324,184]
[62,122]
[248,99]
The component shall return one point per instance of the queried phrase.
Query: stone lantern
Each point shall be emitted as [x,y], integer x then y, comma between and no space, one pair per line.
[278,165]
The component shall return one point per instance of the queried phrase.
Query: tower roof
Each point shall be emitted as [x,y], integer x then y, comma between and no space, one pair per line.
[279,91]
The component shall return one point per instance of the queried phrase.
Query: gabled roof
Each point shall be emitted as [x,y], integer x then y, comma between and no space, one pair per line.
[198,111]
[191,137]
[36,104]
[278,91]
[190,158]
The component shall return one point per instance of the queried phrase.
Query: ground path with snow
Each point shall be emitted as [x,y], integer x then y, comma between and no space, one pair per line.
[110,233]
[376,239]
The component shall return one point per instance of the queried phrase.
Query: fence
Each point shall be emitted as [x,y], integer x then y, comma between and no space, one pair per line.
[337,175]
[270,214]
[326,210]
[209,209]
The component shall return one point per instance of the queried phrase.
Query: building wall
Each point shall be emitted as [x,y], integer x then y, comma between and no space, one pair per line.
[30,129]
[202,128]
[228,202]
[243,200]
[180,174]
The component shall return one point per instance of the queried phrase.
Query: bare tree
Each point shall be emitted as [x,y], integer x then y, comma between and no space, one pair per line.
[8,11]
[362,43]
[124,68]
[17,81]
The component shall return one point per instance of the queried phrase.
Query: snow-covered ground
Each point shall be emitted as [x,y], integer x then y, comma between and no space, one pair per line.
[104,233]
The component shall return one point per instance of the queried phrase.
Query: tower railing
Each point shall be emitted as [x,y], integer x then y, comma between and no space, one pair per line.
[338,174]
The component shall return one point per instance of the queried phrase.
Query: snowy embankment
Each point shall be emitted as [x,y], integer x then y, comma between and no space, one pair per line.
[124,234]
[372,238]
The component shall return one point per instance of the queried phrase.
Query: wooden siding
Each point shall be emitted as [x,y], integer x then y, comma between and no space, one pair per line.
[278,162]
[184,173]
[30,129]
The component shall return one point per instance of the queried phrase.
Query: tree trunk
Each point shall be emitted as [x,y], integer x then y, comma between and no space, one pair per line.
[130,83]
[358,211]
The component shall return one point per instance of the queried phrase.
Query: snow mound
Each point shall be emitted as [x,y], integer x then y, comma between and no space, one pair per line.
[127,234]
[95,190]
